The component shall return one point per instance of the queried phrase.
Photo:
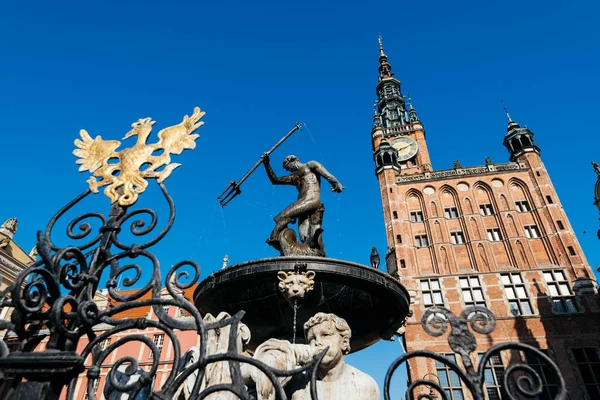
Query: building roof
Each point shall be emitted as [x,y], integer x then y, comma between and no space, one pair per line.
[140,312]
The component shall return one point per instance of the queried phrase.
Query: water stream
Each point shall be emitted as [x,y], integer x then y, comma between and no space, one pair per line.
[295,318]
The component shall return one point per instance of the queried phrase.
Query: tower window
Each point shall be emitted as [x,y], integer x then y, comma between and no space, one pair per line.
[398,238]
[421,241]
[560,225]
[560,292]
[395,213]
[549,200]
[471,291]
[457,237]
[514,288]
[538,173]
[431,293]
[450,212]
[402,264]
[522,206]
[486,209]
[571,250]
[416,216]
[494,235]
[531,232]
[588,365]
[391,190]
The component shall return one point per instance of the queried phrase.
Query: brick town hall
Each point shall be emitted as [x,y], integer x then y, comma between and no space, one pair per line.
[494,235]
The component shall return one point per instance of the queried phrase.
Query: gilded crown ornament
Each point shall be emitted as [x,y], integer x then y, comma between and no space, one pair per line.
[124,172]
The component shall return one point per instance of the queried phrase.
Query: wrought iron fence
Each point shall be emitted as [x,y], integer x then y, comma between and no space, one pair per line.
[54,298]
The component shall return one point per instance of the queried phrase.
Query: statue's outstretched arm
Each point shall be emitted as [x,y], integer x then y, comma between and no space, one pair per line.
[336,186]
[275,180]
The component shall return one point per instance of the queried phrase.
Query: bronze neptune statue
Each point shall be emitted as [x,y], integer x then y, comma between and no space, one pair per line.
[307,209]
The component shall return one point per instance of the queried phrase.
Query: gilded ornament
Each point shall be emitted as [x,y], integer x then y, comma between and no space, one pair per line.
[124,172]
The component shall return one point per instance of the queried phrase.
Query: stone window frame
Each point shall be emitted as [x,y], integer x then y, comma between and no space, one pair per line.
[432,292]
[495,370]
[457,237]
[531,231]
[449,380]
[451,212]
[96,387]
[576,366]
[494,234]
[523,206]
[416,216]
[471,289]
[515,286]
[421,240]
[486,209]
[159,340]
[556,289]
[549,381]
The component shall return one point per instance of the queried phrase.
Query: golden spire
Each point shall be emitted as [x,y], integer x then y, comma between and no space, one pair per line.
[381,53]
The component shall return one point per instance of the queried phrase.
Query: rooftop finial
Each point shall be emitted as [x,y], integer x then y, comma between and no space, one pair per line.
[506,111]
[409,102]
[381,53]
[596,167]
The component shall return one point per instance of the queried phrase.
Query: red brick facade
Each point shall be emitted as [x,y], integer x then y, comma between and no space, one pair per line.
[482,223]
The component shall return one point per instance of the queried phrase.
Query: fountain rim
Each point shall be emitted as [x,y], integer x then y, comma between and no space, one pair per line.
[319,260]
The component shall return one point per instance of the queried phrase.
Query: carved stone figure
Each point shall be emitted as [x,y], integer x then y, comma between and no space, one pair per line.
[217,372]
[307,209]
[335,380]
[295,285]
[9,227]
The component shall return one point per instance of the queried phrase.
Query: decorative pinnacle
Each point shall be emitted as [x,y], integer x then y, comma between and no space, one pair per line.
[381,53]
[596,168]
[506,111]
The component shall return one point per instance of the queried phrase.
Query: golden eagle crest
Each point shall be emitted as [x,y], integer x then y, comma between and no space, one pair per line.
[124,172]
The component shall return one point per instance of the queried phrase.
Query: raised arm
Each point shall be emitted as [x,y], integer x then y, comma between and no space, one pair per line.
[336,186]
[275,180]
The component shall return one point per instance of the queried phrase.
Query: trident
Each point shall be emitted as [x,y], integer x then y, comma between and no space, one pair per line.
[234,187]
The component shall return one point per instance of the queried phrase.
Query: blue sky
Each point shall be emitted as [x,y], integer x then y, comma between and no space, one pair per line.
[256,69]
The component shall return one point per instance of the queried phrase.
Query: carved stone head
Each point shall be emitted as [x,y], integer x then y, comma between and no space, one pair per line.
[296,285]
[328,330]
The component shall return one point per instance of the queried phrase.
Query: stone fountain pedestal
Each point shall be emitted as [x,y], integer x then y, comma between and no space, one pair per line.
[372,302]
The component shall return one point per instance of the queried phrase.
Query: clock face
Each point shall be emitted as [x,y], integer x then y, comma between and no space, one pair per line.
[407,147]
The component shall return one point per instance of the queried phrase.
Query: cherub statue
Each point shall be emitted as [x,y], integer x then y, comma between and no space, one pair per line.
[335,379]
[307,209]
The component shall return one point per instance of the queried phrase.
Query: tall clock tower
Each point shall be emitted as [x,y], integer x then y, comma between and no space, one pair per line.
[401,128]
[494,235]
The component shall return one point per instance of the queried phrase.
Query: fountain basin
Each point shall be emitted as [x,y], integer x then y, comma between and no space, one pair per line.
[372,302]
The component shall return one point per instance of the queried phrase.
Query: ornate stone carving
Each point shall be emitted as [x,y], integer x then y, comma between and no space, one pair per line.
[456,172]
[296,286]
[335,378]
[9,227]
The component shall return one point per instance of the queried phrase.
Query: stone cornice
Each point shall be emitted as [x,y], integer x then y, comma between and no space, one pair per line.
[458,172]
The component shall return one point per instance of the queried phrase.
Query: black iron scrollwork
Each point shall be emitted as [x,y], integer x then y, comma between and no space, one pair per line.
[519,378]
[57,293]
